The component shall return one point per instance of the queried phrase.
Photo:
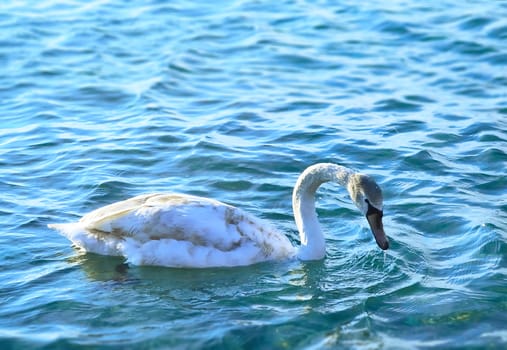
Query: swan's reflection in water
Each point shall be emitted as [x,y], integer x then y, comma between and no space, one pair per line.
[101,267]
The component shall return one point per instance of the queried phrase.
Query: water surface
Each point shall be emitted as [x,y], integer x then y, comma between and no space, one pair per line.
[102,100]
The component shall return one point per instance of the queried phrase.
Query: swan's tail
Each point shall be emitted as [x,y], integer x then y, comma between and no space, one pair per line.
[55,226]
[67,230]
[88,241]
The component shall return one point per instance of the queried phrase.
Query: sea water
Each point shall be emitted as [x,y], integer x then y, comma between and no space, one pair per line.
[105,100]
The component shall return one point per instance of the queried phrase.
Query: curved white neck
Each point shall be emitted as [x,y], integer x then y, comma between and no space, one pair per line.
[303,203]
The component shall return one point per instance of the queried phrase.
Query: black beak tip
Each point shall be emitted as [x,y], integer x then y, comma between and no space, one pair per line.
[374,218]
[384,245]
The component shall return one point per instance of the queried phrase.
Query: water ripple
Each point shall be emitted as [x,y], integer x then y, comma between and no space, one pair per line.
[102,101]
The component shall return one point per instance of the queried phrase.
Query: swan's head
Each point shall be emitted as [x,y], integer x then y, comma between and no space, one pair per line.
[367,196]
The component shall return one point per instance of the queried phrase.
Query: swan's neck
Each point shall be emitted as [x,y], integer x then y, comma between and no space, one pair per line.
[303,203]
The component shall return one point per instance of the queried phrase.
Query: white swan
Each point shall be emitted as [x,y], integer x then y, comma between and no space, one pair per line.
[181,230]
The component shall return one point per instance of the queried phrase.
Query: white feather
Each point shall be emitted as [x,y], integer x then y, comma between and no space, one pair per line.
[177,230]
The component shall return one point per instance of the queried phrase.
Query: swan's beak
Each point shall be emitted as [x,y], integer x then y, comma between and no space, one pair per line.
[374,217]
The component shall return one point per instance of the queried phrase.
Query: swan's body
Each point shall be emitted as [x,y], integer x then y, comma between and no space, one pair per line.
[187,231]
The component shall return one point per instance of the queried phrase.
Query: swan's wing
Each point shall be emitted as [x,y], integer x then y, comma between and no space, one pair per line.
[114,211]
[201,221]
[145,216]
[178,230]
[139,218]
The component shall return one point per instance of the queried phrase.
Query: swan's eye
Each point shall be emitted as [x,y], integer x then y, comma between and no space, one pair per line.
[367,201]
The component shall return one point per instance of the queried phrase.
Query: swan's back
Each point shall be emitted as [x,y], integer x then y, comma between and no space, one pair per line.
[177,230]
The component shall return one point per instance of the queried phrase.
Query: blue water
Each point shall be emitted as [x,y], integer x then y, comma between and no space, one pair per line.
[104,100]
